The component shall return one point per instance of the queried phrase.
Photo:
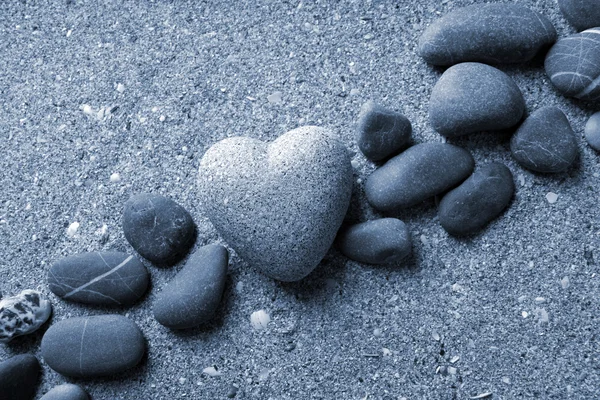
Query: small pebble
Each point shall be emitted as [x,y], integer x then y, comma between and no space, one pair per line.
[551,197]
[115,177]
[23,314]
[260,319]
[592,131]
[233,390]
[564,282]
[72,229]
[120,88]
[19,377]
[67,391]
[275,98]
[211,371]
[582,14]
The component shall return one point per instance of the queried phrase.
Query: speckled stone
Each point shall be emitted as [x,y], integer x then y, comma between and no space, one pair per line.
[87,347]
[23,314]
[592,131]
[99,278]
[474,97]
[488,33]
[380,241]
[477,201]
[158,228]
[381,132]
[19,377]
[573,65]
[279,205]
[192,297]
[419,173]
[67,391]
[582,14]
[545,142]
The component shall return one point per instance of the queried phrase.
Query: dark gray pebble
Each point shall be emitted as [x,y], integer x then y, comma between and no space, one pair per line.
[158,228]
[545,142]
[87,347]
[381,241]
[381,132]
[477,201]
[582,14]
[67,391]
[417,174]
[592,131]
[474,97]
[233,390]
[193,296]
[99,278]
[573,65]
[19,377]
[489,33]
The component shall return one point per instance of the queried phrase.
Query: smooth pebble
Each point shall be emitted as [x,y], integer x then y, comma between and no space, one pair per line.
[67,391]
[592,131]
[19,377]
[23,314]
[582,14]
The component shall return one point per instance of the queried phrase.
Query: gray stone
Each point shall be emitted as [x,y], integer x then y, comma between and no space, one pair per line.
[99,278]
[477,201]
[573,65]
[381,132]
[545,142]
[19,377]
[23,314]
[592,131]
[279,205]
[192,297]
[67,391]
[417,174]
[158,228]
[488,33]
[381,241]
[474,97]
[582,14]
[87,347]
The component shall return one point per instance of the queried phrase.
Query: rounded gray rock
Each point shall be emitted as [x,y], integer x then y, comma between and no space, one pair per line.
[99,278]
[592,131]
[474,97]
[19,377]
[573,65]
[477,201]
[419,173]
[67,391]
[488,33]
[88,347]
[545,142]
[159,229]
[278,205]
[381,132]
[192,297]
[582,14]
[381,241]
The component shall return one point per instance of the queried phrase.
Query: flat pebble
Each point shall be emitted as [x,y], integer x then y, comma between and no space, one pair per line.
[582,14]
[19,377]
[551,197]
[489,33]
[159,229]
[192,297]
[380,241]
[473,97]
[23,314]
[592,131]
[99,278]
[417,174]
[87,347]
[477,201]
[67,391]
[573,65]
[381,132]
[545,142]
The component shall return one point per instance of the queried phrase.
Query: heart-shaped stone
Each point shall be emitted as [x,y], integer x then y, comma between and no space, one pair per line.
[279,205]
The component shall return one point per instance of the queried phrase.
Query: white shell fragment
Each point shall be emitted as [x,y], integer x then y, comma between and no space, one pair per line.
[260,319]
[551,197]
[211,371]
[72,229]
[22,314]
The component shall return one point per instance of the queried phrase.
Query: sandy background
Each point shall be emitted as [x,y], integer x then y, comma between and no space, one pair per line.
[190,73]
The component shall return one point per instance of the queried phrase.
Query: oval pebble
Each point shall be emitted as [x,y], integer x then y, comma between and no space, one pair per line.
[67,391]
[99,278]
[381,241]
[419,173]
[192,297]
[87,347]
[474,97]
[159,229]
[489,33]
[582,14]
[573,65]
[592,131]
[545,142]
[381,132]
[23,314]
[19,377]
[477,201]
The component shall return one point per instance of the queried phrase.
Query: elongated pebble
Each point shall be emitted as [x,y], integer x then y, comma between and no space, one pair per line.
[67,391]
[19,377]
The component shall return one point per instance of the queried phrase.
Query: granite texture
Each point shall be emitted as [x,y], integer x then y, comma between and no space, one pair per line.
[67,391]
[592,131]
[582,14]
[19,377]
[23,314]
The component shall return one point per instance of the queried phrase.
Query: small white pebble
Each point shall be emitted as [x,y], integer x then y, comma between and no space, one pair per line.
[275,98]
[87,109]
[564,282]
[424,239]
[153,386]
[120,88]
[435,336]
[102,230]
[452,370]
[28,207]
[72,229]
[182,380]
[162,118]
[211,371]
[525,314]
[154,109]
[454,359]
[354,92]
[540,299]
[551,197]
[506,380]
[115,177]
[239,287]
[354,163]
[368,36]
[260,319]
[386,352]
[521,179]
[69,32]
[377,332]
